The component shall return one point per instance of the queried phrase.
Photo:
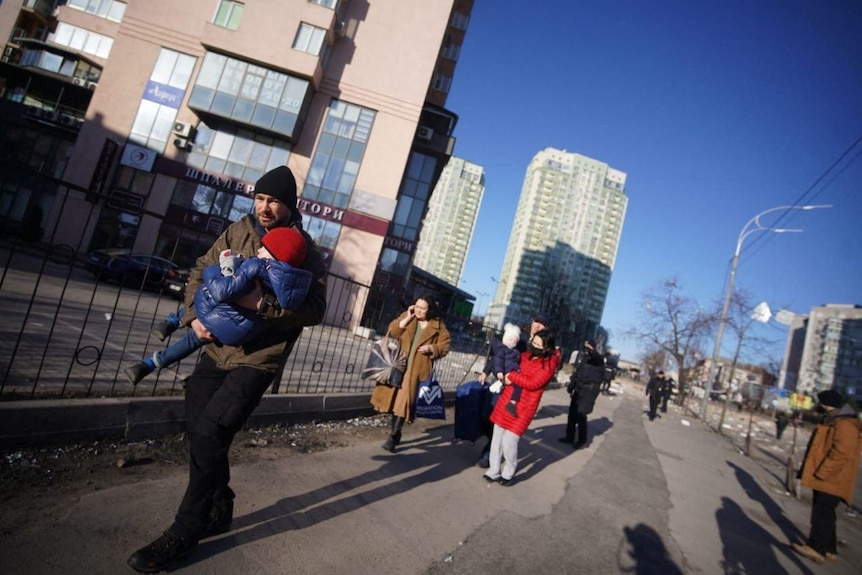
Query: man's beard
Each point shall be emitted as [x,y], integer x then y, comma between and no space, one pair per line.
[272,224]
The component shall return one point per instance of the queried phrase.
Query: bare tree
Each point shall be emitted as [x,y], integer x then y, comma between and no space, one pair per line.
[740,318]
[674,323]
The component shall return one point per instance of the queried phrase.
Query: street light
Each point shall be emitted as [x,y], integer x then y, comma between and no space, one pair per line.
[753,225]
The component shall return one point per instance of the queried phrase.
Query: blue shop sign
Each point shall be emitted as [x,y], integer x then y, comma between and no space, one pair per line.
[163,94]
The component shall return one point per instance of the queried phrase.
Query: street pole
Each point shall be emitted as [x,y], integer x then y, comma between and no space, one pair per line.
[756,226]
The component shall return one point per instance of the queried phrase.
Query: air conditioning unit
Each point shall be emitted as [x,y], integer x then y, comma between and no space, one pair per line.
[182,144]
[68,120]
[182,129]
[425,133]
[92,85]
[50,116]
[79,81]
[340,28]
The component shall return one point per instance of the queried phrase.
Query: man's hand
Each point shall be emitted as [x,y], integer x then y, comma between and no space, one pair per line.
[482,377]
[201,331]
[252,299]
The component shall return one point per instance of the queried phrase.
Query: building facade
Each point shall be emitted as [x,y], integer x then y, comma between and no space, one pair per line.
[144,124]
[831,354]
[563,244]
[451,220]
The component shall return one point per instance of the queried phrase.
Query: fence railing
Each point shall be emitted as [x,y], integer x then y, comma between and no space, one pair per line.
[66,334]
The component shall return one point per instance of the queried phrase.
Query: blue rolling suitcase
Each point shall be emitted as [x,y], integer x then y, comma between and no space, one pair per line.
[469,404]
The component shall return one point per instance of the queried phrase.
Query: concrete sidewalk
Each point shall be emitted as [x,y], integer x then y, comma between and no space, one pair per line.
[643,497]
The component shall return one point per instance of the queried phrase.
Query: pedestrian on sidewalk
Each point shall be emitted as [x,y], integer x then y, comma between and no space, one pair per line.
[653,390]
[539,322]
[424,338]
[584,386]
[666,391]
[829,469]
[538,366]
[228,381]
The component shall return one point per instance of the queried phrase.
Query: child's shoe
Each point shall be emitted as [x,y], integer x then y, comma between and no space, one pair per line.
[163,329]
[137,371]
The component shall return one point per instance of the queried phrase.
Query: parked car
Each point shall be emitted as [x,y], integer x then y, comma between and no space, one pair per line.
[175,283]
[132,270]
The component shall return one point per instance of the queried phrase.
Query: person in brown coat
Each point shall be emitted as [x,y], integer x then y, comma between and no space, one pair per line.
[829,469]
[424,338]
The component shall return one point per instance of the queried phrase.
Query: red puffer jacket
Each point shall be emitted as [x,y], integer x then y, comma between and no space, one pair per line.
[533,377]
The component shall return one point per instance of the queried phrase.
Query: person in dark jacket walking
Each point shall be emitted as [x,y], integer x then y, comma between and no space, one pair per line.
[665,391]
[583,387]
[653,390]
[228,382]
[829,469]
[276,266]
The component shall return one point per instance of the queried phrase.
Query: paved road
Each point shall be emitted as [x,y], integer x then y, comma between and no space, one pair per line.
[645,497]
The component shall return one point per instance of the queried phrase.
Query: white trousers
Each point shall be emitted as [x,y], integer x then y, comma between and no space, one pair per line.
[504,453]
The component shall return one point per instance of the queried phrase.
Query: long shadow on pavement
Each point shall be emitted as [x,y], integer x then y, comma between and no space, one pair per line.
[759,537]
[746,545]
[427,452]
[649,552]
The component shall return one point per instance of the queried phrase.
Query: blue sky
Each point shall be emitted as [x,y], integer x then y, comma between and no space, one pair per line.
[716,110]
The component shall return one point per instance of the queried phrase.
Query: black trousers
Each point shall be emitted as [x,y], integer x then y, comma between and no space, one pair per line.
[823,538]
[218,403]
[653,405]
[664,398]
[576,422]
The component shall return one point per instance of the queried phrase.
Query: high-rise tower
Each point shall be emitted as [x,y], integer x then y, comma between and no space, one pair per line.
[451,219]
[563,244]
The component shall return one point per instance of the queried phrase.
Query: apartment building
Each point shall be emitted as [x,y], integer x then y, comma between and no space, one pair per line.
[824,351]
[451,220]
[144,124]
[563,244]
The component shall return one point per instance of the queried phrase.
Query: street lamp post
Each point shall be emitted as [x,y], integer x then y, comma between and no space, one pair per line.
[751,226]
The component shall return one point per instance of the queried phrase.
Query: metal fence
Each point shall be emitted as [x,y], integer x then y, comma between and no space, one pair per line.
[65,334]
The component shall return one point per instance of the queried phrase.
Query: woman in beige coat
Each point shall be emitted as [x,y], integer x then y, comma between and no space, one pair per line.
[829,469]
[423,338]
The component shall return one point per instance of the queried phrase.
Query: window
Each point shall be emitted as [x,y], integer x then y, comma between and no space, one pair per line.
[83,40]
[451,51]
[251,94]
[323,232]
[340,149]
[325,3]
[108,9]
[460,21]
[309,39]
[442,83]
[211,201]
[154,121]
[228,14]
[413,196]
[239,154]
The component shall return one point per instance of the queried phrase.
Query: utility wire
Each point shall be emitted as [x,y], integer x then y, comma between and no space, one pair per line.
[807,196]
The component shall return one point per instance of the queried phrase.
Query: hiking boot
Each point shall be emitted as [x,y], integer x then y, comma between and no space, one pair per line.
[809,552]
[161,553]
[163,329]
[220,518]
[137,371]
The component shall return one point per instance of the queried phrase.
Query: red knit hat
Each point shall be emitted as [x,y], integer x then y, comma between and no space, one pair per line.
[286,245]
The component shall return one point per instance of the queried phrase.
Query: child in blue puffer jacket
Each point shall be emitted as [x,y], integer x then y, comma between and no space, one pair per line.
[276,266]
